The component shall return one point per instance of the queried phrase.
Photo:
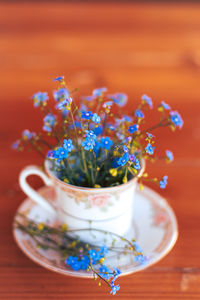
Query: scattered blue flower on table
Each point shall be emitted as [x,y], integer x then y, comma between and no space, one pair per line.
[149,149]
[86,115]
[147,99]
[139,113]
[61,94]
[96,118]
[106,142]
[169,155]
[176,119]
[123,160]
[40,99]
[163,182]
[133,128]
[119,98]
[98,92]
[49,122]
[67,145]
[115,288]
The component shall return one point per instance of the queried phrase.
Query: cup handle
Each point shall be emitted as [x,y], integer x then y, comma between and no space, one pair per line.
[30,192]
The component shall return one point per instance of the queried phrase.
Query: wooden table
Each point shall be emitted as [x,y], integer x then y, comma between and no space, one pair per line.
[133,48]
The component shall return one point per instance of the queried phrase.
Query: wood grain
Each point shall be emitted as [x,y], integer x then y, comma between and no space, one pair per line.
[133,48]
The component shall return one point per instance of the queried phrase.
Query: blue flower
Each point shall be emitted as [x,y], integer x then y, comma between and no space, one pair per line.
[90,134]
[105,272]
[106,142]
[60,153]
[108,104]
[133,128]
[49,122]
[139,113]
[83,108]
[150,136]
[27,135]
[73,262]
[132,157]
[125,148]
[110,126]
[147,99]
[40,98]
[96,118]
[86,115]
[94,255]
[150,149]
[116,272]
[169,155]
[88,98]
[140,258]
[103,250]
[15,145]
[98,130]
[88,144]
[85,262]
[137,164]
[96,148]
[77,124]
[61,94]
[123,160]
[67,144]
[60,78]
[98,92]
[165,105]
[119,98]
[65,104]
[137,247]
[163,182]
[50,154]
[176,119]
[115,288]
[127,118]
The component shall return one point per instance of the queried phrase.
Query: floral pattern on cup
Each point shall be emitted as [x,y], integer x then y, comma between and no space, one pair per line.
[100,200]
[161,218]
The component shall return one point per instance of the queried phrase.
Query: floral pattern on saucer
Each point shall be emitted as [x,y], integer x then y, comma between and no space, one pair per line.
[154,226]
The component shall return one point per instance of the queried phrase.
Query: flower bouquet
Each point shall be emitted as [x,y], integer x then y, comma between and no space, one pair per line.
[93,153]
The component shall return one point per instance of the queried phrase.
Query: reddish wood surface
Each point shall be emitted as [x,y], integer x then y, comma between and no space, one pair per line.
[134,48]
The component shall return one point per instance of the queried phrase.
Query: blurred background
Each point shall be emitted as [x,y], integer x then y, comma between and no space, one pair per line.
[132,47]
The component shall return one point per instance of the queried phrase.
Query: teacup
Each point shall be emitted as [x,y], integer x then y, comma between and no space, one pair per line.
[108,209]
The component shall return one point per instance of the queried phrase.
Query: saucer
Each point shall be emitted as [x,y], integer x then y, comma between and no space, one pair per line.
[154,227]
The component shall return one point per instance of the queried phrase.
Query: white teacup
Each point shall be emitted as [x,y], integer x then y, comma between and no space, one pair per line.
[108,209]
